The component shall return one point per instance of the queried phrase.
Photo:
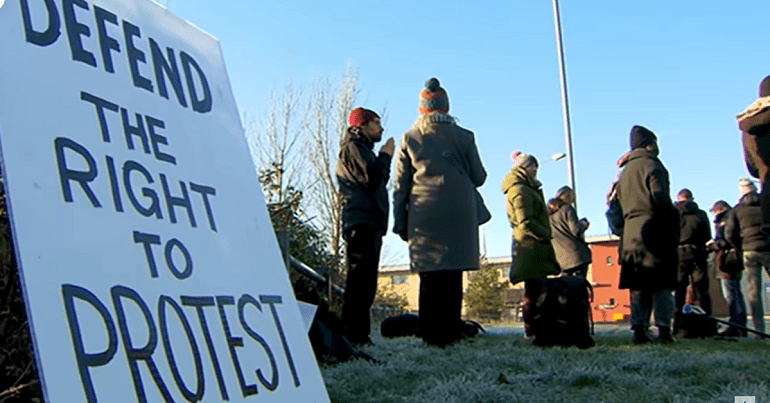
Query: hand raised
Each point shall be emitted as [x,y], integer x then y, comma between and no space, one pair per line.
[388,147]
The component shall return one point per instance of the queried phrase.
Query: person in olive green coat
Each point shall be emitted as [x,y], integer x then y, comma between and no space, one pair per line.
[533,254]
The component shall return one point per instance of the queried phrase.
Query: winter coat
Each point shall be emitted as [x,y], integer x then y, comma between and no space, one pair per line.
[727,259]
[533,254]
[694,231]
[756,142]
[744,223]
[568,238]
[651,225]
[362,177]
[434,203]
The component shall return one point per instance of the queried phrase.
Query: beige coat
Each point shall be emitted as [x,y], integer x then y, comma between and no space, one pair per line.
[434,206]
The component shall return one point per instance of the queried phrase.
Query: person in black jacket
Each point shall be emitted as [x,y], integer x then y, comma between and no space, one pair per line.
[729,265]
[744,231]
[648,246]
[694,233]
[362,177]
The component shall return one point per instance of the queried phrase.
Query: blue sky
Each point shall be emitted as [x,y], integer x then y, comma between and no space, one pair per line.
[683,69]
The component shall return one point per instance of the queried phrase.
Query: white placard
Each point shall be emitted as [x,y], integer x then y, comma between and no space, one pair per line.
[148,262]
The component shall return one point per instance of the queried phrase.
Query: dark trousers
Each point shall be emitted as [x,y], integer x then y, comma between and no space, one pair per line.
[363,258]
[441,302]
[692,271]
[530,288]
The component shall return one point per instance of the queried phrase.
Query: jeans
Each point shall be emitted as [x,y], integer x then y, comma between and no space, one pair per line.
[753,262]
[642,303]
[731,289]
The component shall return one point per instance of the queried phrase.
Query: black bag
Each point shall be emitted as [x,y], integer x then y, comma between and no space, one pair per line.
[482,212]
[560,312]
[614,213]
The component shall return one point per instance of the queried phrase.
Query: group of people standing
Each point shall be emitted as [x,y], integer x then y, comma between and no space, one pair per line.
[664,246]
[436,209]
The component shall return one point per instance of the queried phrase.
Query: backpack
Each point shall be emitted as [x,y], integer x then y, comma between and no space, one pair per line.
[614,213]
[560,312]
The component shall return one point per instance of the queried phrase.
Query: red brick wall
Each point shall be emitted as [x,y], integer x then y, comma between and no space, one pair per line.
[610,303]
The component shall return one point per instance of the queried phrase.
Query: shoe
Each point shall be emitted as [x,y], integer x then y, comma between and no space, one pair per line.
[730,332]
[665,337]
[640,336]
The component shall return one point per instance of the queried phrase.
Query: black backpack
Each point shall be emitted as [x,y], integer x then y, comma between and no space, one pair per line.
[560,313]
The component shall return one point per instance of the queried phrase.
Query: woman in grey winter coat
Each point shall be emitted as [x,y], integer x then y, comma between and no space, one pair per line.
[568,241]
[434,209]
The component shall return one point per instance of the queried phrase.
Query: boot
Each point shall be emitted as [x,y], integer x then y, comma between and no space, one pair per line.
[640,335]
[664,335]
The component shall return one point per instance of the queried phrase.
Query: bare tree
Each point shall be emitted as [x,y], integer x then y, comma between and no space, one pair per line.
[273,144]
[330,104]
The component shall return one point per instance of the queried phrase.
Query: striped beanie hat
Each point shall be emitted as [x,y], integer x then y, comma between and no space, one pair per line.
[433,98]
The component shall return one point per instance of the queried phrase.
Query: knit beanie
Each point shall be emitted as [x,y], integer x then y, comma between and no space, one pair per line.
[433,98]
[745,185]
[764,87]
[360,116]
[719,205]
[521,159]
[641,136]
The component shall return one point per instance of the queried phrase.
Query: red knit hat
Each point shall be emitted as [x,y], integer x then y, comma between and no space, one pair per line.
[433,98]
[360,116]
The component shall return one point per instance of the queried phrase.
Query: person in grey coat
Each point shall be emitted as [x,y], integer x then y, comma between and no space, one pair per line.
[434,209]
[568,233]
[362,177]
[648,246]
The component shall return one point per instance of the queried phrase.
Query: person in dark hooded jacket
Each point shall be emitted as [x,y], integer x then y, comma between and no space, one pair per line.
[694,234]
[743,231]
[572,251]
[729,265]
[754,124]
[362,177]
[648,245]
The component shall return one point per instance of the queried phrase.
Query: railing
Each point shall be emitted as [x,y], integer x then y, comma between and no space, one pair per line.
[312,274]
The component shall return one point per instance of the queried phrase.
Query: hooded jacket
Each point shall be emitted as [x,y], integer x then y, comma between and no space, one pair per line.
[568,238]
[744,223]
[651,224]
[694,230]
[727,258]
[362,177]
[533,254]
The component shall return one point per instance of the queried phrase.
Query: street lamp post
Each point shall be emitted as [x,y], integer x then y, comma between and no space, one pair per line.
[564,102]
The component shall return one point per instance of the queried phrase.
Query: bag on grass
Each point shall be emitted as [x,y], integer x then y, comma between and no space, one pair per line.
[560,314]
[695,326]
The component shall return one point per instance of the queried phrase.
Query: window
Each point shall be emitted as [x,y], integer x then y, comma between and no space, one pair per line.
[398,280]
[609,260]
[612,301]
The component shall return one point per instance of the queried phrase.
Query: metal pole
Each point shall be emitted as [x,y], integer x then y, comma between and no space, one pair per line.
[564,101]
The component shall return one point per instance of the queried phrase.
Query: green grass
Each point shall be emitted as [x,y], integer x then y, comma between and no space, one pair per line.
[496,368]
